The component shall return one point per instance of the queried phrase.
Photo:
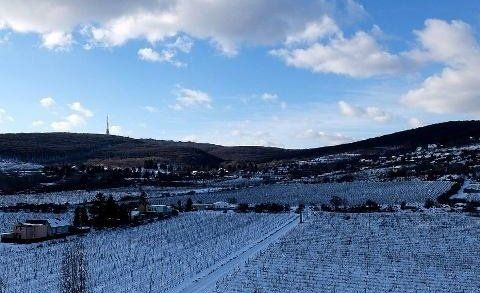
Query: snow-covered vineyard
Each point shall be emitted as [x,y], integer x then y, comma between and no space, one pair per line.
[81,196]
[353,192]
[71,197]
[430,250]
[401,252]
[153,258]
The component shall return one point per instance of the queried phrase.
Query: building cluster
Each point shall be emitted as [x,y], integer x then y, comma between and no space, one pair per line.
[145,211]
[217,206]
[37,230]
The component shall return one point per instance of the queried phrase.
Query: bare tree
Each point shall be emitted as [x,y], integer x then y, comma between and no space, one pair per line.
[74,273]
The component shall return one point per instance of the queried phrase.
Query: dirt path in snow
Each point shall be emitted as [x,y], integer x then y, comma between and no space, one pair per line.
[206,280]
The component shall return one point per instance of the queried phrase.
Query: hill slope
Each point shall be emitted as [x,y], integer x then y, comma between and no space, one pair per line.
[74,147]
[446,133]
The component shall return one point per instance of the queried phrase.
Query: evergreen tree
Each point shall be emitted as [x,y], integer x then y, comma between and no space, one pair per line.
[111,209]
[81,217]
[97,211]
[124,214]
[189,205]
[143,200]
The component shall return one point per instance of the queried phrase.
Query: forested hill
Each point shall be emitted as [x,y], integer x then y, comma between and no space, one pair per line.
[77,147]
[74,147]
[446,133]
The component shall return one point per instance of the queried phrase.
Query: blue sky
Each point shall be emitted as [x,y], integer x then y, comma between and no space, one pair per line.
[278,73]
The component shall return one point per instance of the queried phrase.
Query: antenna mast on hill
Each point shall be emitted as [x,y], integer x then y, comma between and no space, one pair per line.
[108,127]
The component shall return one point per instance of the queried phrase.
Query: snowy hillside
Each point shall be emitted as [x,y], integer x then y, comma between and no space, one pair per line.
[153,258]
[410,252]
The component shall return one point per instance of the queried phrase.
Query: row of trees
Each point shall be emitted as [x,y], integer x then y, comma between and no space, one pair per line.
[263,208]
[338,204]
[187,207]
[103,212]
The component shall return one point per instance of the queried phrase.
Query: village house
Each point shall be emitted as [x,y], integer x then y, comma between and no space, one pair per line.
[220,206]
[217,206]
[145,209]
[160,209]
[202,206]
[135,215]
[36,230]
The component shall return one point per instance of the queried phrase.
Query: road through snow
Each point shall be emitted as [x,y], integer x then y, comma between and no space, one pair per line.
[206,280]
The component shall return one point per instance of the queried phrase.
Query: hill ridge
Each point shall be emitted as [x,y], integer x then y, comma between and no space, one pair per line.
[62,147]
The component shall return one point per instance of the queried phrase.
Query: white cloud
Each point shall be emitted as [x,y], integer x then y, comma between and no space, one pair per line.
[328,127]
[151,109]
[313,31]
[47,102]
[116,130]
[150,55]
[254,137]
[227,24]
[378,114]
[182,43]
[62,126]
[325,138]
[5,117]
[415,122]
[74,120]
[70,122]
[187,98]
[79,108]
[450,43]
[373,113]
[358,56]
[56,40]
[456,88]
[350,110]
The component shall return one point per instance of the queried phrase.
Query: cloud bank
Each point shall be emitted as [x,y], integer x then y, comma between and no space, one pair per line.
[227,24]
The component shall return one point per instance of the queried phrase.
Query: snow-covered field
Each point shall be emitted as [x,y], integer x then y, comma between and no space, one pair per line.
[151,258]
[353,192]
[81,196]
[72,197]
[396,252]
[13,165]
[8,220]
[356,192]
